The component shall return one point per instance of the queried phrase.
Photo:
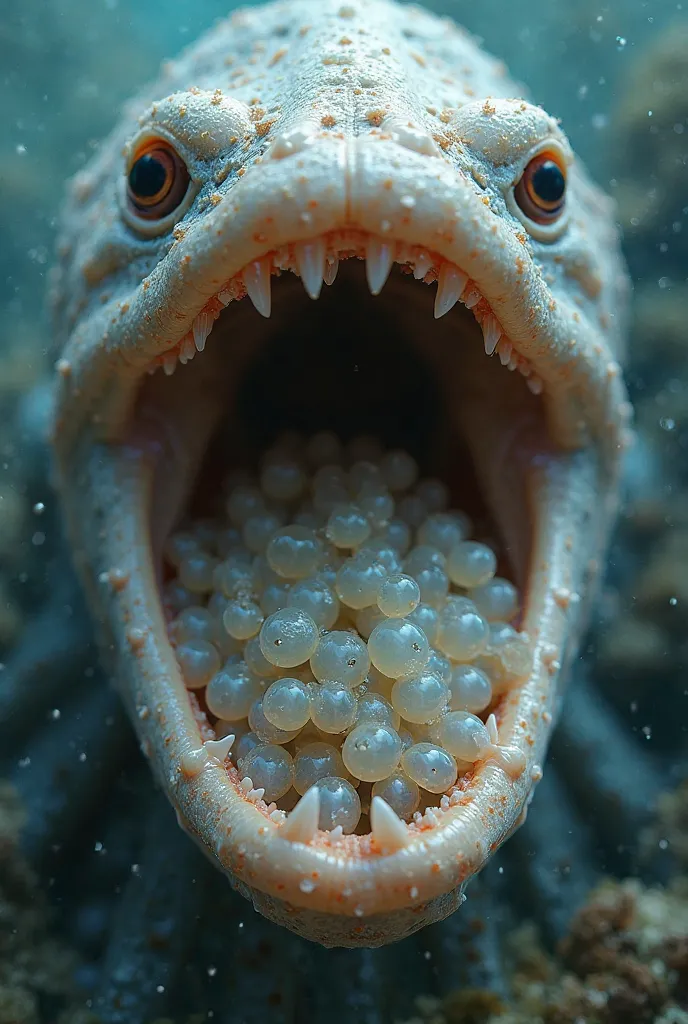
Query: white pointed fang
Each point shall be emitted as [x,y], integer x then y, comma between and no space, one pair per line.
[169,364]
[187,350]
[379,259]
[331,268]
[302,823]
[258,285]
[493,731]
[202,326]
[504,350]
[389,832]
[491,333]
[535,385]
[472,298]
[310,263]
[219,748]
[423,264]
[450,283]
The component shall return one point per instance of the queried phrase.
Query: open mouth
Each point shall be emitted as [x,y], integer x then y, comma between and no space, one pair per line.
[340,395]
[331,615]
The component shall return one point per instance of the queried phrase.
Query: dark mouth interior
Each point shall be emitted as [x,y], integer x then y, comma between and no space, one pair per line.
[354,364]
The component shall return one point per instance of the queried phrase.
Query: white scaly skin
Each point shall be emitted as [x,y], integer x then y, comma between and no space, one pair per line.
[299,120]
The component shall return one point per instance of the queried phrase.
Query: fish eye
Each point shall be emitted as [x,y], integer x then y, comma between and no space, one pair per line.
[157,181]
[541,191]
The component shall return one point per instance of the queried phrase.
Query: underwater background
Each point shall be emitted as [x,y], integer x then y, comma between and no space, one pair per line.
[107,911]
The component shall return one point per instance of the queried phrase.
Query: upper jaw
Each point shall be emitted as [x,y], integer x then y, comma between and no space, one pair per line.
[377,187]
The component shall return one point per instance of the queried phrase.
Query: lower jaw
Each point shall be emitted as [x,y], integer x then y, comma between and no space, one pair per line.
[359,899]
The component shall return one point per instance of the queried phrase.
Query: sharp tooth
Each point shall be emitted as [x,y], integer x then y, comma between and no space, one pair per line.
[310,263]
[504,350]
[513,362]
[491,333]
[169,364]
[302,823]
[423,264]
[472,298]
[331,268]
[491,726]
[389,832]
[379,259]
[219,748]
[225,296]
[202,326]
[187,350]
[257,281]
[535,385]
[450,284]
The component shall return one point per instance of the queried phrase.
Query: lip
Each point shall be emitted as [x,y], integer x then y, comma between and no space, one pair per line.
[111,461]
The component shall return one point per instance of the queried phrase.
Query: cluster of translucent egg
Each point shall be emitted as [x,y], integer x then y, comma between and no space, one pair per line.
[340,622]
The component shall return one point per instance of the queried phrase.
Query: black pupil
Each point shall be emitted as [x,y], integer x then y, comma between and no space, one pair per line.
[147,177]
[549,182]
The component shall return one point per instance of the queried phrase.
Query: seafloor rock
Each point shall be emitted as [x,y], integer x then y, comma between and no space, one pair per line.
[36,970]
[623,961]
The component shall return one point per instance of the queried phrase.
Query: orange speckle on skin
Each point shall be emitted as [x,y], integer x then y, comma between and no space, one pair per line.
[375,117]
[328,121]
[277,57]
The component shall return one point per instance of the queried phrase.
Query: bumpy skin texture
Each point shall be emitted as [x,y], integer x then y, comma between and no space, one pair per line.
[297,119]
